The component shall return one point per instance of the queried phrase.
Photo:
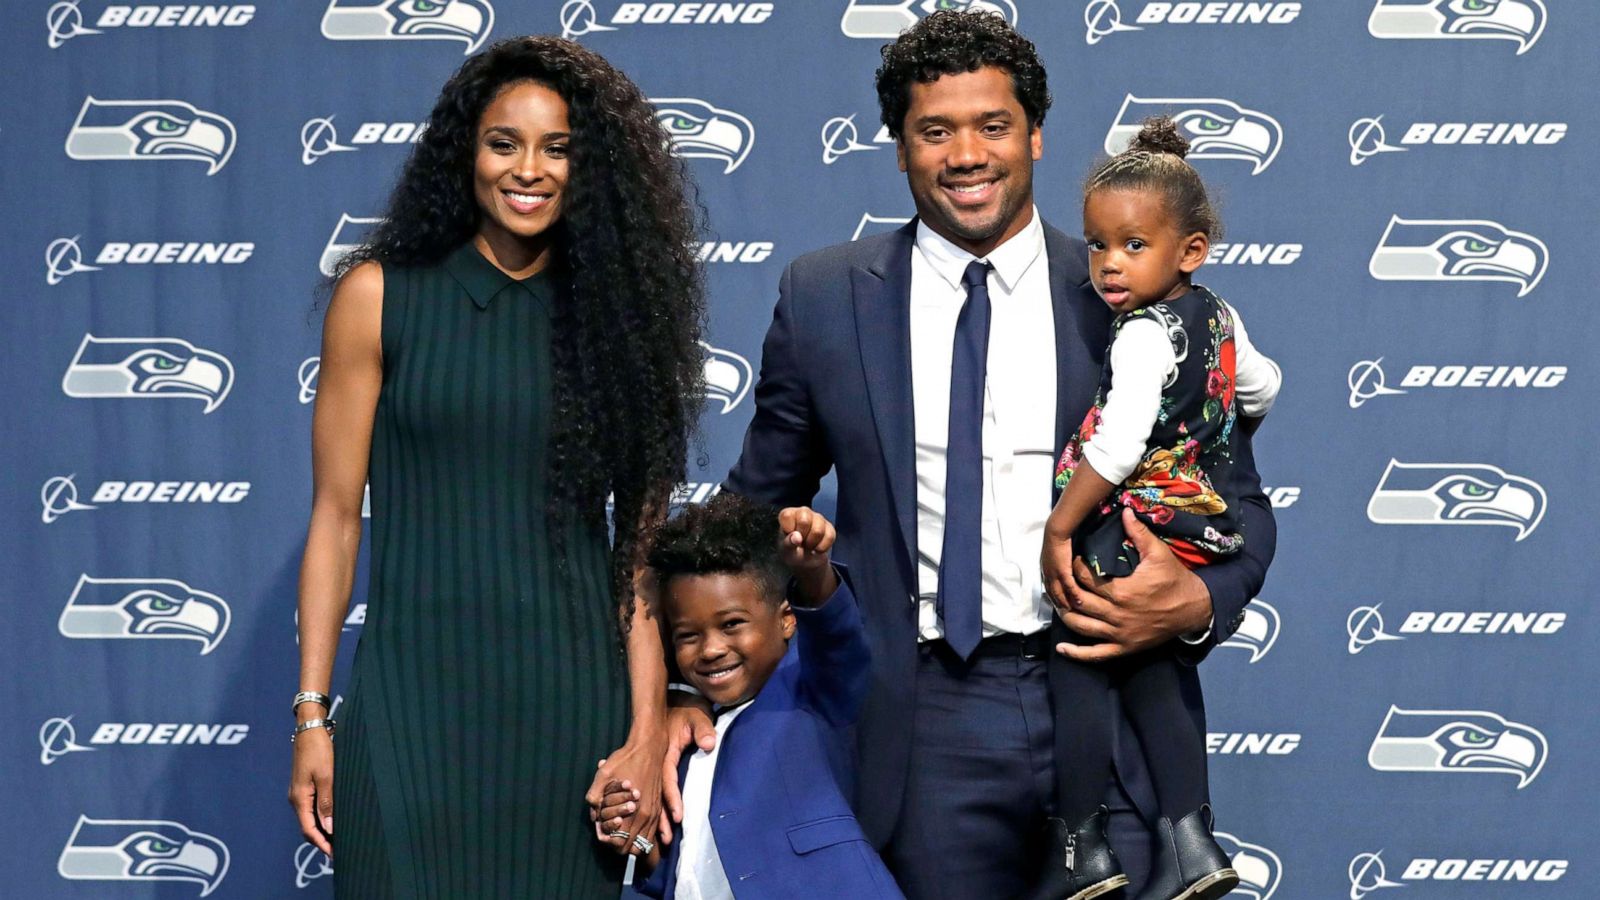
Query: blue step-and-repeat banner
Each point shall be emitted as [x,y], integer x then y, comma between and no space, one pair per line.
[1409,191]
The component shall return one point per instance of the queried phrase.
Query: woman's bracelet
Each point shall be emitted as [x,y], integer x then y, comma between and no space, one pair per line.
[317,697]
[309,724]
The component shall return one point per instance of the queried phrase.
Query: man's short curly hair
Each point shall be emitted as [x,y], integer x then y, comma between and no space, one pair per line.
[728,534]
[949,43]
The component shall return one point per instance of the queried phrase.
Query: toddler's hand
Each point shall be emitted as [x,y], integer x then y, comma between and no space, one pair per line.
[1055,567]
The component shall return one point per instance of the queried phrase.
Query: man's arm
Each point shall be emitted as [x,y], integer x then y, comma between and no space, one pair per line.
[1233,584]
[784,457]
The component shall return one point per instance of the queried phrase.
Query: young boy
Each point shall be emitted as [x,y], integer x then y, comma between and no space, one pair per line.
[765,626]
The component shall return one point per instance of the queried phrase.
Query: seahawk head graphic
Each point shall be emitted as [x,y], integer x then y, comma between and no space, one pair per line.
[147,367]
[1260,870]
[1509,20]
[113,608]
[1456,494]
[728,377]
[350,233]
[468,21]
[150,129]
[1458,250]
[1258,631]
[1215,129]
[885,19]
[699,130]
[142,850]
[1438,740]
[871,224]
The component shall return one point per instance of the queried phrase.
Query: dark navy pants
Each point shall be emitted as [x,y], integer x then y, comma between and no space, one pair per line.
[982,779]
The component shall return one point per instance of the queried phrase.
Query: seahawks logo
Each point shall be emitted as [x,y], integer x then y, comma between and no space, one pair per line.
[871,224]
[350,233]
[1258,631]
[142,850]
[1436,740]
[161,368]
[699,130]
[150,129]
[1215,129]
[1456,494]
[1458,250]
[1521,21]
[727,375]
[885,19]
[155,608]
[468,21]
[1260,870]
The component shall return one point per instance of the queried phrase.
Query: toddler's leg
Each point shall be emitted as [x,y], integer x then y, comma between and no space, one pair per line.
[1083,740]
[1174,743]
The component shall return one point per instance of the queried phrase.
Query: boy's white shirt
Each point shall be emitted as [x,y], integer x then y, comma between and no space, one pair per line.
[700,872]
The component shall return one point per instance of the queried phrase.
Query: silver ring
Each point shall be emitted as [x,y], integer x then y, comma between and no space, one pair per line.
[643,843]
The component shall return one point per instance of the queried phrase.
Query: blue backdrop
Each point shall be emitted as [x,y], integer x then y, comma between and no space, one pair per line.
[1408,710]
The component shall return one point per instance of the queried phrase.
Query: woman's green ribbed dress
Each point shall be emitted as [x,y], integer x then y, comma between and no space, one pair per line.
[486,683]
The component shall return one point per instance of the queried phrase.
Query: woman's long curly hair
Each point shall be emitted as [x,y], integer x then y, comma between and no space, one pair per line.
[627,360]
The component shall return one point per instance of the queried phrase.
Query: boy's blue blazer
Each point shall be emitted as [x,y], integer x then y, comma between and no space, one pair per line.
[779,807]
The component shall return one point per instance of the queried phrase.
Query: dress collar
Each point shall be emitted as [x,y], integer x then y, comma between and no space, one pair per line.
[1011,260]
[483,280]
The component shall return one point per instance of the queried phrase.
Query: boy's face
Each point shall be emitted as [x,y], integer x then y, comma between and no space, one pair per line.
[726,637]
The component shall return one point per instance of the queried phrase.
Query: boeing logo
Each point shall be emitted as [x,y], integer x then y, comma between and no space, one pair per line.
[142,850]
[310,864]
[728,377]
[57,737]
[468,21]
[144,608]
[64,257]
[839,137]
[699,130]
[1457,741]
[578,17]
[1368,139]
[1366,627]
[1260,870]
[65,21]
[59,495]
[885,19]
[319,137]
[150,130]
[309,369]
[1103,18]
[1456,494]
[735,251]
[1366,378]
[147,368]
[1458,250]
[1367,872]
[1519,21]
[1215,128]
[1251,743]
[1258,630]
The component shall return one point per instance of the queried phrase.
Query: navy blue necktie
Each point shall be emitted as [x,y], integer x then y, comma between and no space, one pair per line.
[960,598]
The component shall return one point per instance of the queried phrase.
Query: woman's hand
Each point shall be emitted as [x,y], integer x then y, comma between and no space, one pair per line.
[311,787]
[637,765]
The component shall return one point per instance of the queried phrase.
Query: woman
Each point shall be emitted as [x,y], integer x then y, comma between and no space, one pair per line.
[516,341]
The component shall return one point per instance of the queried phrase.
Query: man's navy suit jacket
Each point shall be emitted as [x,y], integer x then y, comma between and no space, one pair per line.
[780,808]
[835,393]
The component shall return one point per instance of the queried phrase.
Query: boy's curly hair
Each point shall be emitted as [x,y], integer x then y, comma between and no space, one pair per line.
[728,534]
[950,43]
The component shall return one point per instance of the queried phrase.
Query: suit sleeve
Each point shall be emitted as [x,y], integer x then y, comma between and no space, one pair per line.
[784,457]
[1234,583]
[835,662]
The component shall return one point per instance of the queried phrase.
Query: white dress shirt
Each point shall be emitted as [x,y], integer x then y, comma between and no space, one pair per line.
[1019,422]
[700,872]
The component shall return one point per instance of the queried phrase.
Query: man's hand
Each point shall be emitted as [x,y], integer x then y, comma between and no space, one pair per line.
[807,538]
[1159,601]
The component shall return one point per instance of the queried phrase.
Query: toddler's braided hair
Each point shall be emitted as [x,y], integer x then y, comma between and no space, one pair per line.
[1155,161]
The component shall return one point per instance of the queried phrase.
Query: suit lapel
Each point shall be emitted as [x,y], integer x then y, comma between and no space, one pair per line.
[1078,329]
[882,296]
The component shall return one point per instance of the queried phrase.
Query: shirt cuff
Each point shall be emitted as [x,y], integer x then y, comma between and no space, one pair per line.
[688,688]
[1193,638]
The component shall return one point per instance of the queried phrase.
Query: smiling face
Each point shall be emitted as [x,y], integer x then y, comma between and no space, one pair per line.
[1136,254]
[968,151]
[520,169]
[726,637]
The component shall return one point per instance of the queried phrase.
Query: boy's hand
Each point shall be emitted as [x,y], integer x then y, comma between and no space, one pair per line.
[807,538]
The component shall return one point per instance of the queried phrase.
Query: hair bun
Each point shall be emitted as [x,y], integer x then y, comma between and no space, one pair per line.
[1159,134]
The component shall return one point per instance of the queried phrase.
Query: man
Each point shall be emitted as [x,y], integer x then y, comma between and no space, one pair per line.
[938,370]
